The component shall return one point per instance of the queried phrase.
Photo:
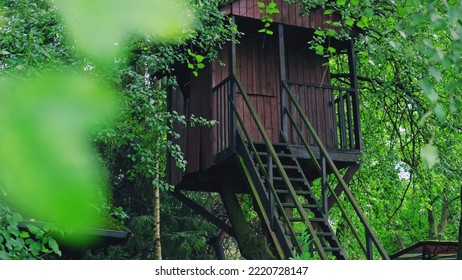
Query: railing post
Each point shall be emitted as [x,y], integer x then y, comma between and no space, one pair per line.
[232,93]
[271,195]
[282,77]
[354,86]
[324,196]
[369,252]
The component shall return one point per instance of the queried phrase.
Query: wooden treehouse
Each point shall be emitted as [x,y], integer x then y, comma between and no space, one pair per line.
[288,134]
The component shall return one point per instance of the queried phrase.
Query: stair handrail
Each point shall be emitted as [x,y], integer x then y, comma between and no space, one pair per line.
[318,167]
[280,168]
[344,186]
[265,174]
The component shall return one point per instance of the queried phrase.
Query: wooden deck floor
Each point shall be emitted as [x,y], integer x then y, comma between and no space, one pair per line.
[226,173]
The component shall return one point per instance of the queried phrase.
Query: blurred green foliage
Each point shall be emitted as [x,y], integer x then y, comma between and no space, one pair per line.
[49,166]
[47,162]
[98,26]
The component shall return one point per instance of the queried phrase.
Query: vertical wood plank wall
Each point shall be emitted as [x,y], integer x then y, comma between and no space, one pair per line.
[304,66]
[257,68]
[175,102]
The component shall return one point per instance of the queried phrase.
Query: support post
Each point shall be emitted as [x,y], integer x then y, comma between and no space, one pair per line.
[204,213]
[354,85]
[369,252]
[282,77]
[346,178]
[325,206]
[232,92]
[271,195]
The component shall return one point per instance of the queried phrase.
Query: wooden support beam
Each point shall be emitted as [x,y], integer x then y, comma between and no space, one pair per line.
[252,247]
[232,93]
[282,77]
[354,85]
[339,189]
[203,212]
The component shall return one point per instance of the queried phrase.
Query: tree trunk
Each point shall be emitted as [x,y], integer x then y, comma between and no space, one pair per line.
[157,244]
[459,250]
[216,243]
[432,230]
[156,215]
[251,247]
[444,218]
[399,241]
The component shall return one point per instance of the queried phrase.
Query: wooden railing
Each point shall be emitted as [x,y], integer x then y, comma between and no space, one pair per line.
[224,130]
[294,111]
[235,121]
[330,110]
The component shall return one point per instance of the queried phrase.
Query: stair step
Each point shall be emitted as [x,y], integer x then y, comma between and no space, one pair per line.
[332,249]
[317,220]
[280,155]
[290,179]
[276,146]
[318,234]
[286,167]
[313,220]
[304,205]
[324,234]
[299,192]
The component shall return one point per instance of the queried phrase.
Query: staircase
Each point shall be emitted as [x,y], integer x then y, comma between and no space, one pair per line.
[284,197]
[283,208]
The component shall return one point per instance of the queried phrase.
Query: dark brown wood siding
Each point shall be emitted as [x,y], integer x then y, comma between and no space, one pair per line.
[195,140]
[175,102]
[305,67]
[289,13]
[199,141]
[257,66]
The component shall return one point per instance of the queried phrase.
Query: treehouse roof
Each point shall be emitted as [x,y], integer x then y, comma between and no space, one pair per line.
[289,14]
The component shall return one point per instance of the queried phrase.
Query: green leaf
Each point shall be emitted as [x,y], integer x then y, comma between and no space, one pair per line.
[269,32]
[439,112]
[261,5]
[24,234]
[349,22]
[418,18]
[329,11]
[200,66]
[331,32]
[4,255]
[199,58]
[97,25]
[331,50]
[263,30]
[341,2]
[190,66]
[33,229]
[401,11]
[429,155]
[54,246]
[320,32]
[35,248]
[435,73]
[47,155]
[319,49]
[428,88]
